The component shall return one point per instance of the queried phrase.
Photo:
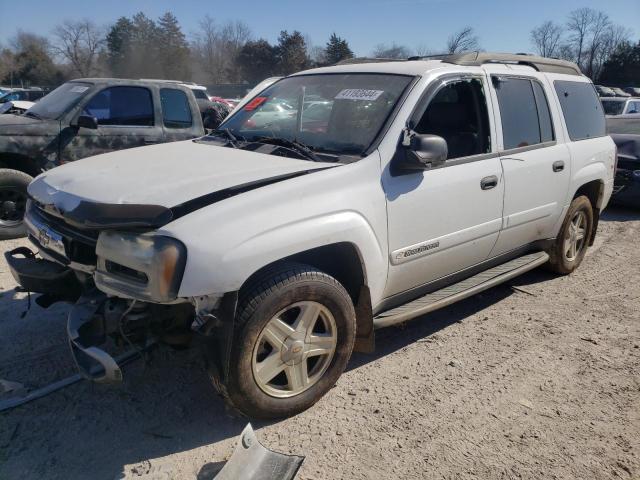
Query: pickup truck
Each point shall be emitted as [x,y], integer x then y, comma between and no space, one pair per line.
[87,117]
[281,245]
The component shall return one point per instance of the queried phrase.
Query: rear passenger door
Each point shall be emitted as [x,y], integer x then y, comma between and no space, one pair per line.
[126,118]
[535,162]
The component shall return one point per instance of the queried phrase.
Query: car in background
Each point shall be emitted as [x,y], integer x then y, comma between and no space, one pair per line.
[620,106]
[87,117]
[17,107]
[23,94]
[604,91]
[625,132]
[633,91]
[619,92]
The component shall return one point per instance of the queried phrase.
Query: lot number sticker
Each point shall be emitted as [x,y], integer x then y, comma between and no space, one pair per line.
[359,94]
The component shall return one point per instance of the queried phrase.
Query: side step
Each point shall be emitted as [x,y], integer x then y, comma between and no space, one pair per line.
[459,291]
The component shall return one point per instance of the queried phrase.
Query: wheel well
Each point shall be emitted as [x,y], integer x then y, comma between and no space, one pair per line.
[593,191]
[19,162]
[342,261]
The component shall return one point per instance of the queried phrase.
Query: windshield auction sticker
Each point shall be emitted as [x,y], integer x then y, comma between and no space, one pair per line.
[79,89]
[359,94]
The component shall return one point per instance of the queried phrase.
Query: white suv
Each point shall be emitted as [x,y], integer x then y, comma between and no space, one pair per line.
[285,244]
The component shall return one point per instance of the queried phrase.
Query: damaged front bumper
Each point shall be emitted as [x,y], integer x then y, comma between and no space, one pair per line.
[91,319]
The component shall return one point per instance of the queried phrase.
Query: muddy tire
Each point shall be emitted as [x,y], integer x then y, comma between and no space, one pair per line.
[13,198]
[294,333]
[571,244]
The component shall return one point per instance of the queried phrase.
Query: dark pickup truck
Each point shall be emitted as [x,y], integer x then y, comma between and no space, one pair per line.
[87,117]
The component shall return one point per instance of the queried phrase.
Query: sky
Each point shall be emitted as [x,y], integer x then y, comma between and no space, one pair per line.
[501,25]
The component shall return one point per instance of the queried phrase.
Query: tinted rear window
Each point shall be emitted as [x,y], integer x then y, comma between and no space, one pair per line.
[581,108]
[175,108]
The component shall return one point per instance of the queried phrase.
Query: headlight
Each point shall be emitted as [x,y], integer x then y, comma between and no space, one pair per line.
[146,267]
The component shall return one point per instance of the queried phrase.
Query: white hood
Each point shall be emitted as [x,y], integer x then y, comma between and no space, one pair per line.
[165,175]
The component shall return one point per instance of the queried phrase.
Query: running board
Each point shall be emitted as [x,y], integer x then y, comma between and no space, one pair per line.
[461,290]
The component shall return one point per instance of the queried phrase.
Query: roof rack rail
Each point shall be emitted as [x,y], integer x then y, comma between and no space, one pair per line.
[541,64]
[355,60]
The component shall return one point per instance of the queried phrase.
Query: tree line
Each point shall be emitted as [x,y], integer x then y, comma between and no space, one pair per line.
[142,47]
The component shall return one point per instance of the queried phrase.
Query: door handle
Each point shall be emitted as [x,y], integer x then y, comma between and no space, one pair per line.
[487,183]
[558,166]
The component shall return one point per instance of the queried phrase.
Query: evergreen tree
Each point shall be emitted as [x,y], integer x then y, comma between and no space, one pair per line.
[291,52]
[337,49]
[174,58]
[623,66]
[119,41]
[257,60]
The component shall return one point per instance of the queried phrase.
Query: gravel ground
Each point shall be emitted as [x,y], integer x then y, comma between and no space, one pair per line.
[535,379]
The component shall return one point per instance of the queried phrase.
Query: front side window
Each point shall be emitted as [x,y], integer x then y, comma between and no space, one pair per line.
[524,112]
[581,108]
[458,113]
[331,113]
[200,94]
[176,112]
[130,106]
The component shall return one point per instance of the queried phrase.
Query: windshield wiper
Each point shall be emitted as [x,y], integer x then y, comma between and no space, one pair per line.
[226,133]
[299,147]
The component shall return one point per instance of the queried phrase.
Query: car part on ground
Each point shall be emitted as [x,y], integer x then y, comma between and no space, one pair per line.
[252,461]
[283,244]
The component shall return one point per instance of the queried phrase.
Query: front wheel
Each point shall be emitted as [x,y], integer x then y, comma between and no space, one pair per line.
[13,201]
[571,244]
[293,338]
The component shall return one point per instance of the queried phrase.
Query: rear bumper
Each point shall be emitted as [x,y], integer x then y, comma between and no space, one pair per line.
[42,276]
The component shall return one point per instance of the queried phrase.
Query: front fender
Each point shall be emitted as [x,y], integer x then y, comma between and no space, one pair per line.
[229,269]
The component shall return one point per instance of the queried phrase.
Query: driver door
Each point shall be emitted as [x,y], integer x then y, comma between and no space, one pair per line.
[448,218]
[126,118]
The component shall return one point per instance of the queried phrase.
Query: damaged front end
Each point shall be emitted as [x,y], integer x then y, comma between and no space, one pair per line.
[123,286]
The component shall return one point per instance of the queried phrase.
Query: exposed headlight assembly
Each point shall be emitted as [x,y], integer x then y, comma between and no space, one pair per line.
[140,266]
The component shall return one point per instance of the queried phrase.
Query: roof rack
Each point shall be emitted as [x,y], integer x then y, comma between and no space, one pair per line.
[541,64]
[355,60]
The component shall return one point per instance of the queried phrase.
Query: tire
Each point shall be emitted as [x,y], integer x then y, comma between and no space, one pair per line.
[13,196]
[562,259]
[286,292]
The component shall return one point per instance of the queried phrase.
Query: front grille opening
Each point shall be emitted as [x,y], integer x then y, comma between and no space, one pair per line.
[126,272]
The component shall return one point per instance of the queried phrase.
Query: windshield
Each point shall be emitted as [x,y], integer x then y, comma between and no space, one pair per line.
[60,100]
[333,113]
[612,107]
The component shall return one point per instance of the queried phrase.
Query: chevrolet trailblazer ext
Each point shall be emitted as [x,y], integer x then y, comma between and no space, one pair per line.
[390,189]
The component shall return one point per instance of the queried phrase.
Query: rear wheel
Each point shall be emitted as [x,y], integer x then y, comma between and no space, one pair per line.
[571,244]
[13,201]
[293,337]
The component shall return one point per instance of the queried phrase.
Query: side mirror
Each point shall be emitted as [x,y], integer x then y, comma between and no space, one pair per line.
[87,121]
[422,151]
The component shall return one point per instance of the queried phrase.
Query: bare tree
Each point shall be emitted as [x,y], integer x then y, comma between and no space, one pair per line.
[463,41]
[423,50]
[547,39]
[391,51]
[215,50]
[579,25]
[79,42]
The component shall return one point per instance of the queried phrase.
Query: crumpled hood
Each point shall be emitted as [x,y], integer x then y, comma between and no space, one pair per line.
[166,175]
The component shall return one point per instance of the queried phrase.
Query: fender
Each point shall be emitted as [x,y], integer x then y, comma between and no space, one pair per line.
[282,241]
[589,173]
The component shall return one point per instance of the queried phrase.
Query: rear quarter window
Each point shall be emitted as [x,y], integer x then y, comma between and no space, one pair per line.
[581,108]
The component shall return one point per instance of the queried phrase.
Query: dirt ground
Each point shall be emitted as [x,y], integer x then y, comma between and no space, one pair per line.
[535,379]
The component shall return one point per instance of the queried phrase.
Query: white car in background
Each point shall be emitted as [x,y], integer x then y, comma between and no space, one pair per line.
[620,105]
